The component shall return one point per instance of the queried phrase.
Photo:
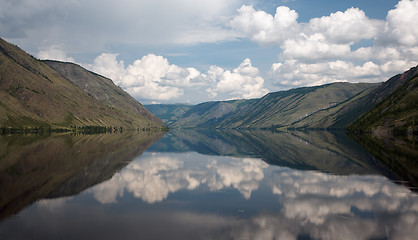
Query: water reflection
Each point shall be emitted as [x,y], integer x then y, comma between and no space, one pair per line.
[231,185]
[398,152]
[321,150]
[190,195]
[323,206]
[41,166]
[153,176]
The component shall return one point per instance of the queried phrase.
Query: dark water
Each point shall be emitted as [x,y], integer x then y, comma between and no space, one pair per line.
[201,185]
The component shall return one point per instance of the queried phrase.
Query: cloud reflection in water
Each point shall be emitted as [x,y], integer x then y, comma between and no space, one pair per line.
[152,177]
[313,204]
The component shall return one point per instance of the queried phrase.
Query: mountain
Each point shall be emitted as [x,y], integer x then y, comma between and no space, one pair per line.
[102,89]
[330,106]
[209,114]
[169,113]
[284,109]
[34,94]
[398,112]
[295,108]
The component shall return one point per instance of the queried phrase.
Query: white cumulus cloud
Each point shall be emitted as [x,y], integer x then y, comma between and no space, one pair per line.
[313,47]
[344,27]
[153,78]
[324,50]
[337,28]
[295,74]
[400,24]
[243,82]
[150,77]
[263,27]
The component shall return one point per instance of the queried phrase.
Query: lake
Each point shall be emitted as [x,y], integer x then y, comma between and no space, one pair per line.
[189,184]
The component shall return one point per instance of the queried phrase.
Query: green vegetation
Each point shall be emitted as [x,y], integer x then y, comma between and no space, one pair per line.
[331,107]
[40,94]
[396,114]
[309,107]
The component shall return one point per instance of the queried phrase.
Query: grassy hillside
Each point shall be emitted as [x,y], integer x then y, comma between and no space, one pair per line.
[292,108]
[103,89]
[336,116]
[209,114]
[397,113]
[330,106]
[33,94]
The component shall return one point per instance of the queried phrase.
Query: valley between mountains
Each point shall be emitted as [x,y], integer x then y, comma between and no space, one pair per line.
[54,94]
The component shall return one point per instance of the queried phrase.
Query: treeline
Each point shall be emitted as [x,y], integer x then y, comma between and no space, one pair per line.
[95,129]
[397,113]
[39,130]
[89,129]
[112,129]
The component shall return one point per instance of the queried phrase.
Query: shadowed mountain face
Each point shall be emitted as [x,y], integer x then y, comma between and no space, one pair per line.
[33,94]
[36,167]
[398,112]
[393,124]
[318,150]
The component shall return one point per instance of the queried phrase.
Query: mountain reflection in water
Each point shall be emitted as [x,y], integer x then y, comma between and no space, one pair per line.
[42,166]
[234,185]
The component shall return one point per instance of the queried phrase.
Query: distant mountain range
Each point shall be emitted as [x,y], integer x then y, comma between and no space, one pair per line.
[330,106]
[36,93]
[169,113]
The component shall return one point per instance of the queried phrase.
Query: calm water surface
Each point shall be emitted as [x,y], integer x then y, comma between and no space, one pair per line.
[202,185]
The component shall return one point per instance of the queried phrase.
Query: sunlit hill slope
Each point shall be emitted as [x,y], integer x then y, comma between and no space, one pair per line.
[330,106]
[308,107]
[37,93]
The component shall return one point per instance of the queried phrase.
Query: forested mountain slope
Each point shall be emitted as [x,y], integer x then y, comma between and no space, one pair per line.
[398,112]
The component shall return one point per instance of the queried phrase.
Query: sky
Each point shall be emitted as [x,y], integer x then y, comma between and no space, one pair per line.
[192,51]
